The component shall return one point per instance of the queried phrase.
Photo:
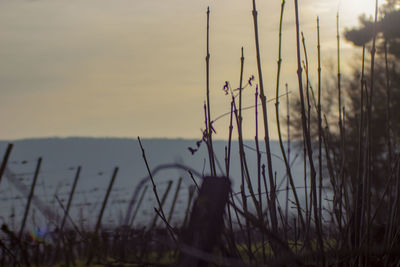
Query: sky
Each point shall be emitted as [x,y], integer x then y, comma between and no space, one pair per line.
[127,68]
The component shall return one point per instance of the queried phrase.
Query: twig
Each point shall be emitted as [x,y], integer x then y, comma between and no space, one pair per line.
[307,134]
[274,220]
[208,122]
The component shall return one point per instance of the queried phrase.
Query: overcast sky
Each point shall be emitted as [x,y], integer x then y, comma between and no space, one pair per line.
[124,68]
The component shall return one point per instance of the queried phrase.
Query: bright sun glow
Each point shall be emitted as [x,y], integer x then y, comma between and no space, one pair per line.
[355,8]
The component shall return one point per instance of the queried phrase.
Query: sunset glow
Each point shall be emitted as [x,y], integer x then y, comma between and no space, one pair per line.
[93,68]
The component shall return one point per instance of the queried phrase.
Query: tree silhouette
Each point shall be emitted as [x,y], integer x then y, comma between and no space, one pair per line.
[363,145]
[387,28]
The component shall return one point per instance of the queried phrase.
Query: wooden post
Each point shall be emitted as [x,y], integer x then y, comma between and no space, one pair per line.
[30,198]
[95,239]
[71,195]
[138,206]
[164,197]
[171,211]
[105,201]
[206,220]
[5,160]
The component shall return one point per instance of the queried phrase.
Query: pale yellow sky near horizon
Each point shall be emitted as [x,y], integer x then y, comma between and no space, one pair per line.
[127,68]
